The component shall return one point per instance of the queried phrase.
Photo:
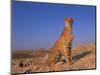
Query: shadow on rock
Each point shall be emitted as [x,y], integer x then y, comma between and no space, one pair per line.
[79,56]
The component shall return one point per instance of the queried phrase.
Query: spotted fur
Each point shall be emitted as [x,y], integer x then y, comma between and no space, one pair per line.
[62,47]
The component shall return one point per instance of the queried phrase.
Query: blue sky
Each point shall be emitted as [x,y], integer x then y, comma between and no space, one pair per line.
[38,25]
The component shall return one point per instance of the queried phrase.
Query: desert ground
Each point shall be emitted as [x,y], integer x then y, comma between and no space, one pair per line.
[32,61]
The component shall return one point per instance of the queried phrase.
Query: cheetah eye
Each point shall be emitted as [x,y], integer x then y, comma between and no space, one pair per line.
[69,21]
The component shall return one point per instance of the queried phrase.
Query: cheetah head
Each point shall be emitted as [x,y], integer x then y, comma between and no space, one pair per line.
[68,22]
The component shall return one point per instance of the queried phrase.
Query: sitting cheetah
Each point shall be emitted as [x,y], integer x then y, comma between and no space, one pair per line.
[62,47]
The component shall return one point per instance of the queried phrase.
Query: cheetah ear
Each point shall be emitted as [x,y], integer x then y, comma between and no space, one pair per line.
[65,18]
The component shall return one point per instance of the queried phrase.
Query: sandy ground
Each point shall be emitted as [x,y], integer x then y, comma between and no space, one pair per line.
[83,57]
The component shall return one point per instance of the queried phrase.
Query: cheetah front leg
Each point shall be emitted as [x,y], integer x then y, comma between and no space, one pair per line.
[68,57]
[67,53]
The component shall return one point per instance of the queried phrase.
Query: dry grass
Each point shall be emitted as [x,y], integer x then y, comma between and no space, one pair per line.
[83,57]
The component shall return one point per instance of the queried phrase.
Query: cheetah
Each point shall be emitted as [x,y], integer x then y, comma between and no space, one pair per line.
[61,50]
